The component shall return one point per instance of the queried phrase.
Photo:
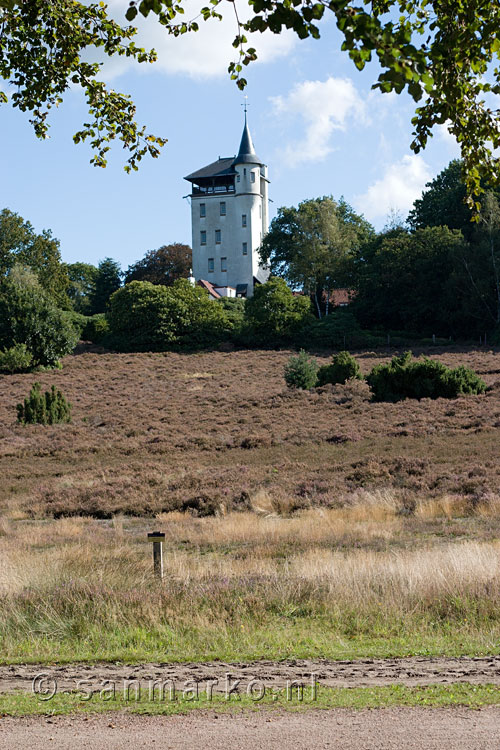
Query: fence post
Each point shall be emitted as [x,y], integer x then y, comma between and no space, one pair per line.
[157,537]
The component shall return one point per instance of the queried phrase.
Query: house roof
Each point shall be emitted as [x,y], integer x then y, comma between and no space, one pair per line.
[220,168]
[341,296]
[209,287]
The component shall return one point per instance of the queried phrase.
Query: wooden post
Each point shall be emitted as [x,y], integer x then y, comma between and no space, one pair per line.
[433,338]
[157,537]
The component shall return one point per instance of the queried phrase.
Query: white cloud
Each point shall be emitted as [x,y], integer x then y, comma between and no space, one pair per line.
[447,138]
[323,106]
[202,54]
[401,184]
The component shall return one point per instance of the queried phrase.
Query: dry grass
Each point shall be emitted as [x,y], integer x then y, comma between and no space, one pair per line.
[82,588]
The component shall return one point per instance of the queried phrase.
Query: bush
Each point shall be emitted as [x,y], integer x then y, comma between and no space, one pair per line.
[15,359]
[48,408]
[343,368]
[463,380]
[405,377]
[234,316]
[95,329]
[301,371]
[28,316]
[337,331]
[274,314]
[76,320]
[146,317]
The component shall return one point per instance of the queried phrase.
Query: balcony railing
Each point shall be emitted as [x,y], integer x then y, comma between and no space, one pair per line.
[213,189]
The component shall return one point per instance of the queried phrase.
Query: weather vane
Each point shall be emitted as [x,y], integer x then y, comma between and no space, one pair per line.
[245,104]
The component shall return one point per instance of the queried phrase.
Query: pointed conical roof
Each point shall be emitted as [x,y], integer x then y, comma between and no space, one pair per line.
[246,154]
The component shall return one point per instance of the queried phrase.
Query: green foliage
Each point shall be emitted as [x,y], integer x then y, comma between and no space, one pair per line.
[146,317]
[427,282]
[162,266]
[50,407]
[443,203]
[301,371]
[343,368]
[274,314]
[48,48]
[404,377]
[15,359]
[107,280]
[96,329]
[28,316]
[82,278]
[309,246]
[234,316]
[76,320]
[22,248]
[336,331]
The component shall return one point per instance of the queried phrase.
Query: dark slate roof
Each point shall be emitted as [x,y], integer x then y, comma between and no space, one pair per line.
[246,153]
[219,168]
[261,275]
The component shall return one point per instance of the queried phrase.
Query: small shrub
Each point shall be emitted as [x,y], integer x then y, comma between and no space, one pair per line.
[48,408]
[343,368]
[15,359]
[464,380]
[301,371]
[404,377]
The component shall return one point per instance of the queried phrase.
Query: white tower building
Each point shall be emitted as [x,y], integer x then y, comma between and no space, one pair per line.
[229,216]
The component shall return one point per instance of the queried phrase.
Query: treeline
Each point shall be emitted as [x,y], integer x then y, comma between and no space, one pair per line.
[437,274]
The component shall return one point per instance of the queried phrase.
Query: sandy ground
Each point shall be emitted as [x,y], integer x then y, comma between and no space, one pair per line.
[408,728]
[411,671]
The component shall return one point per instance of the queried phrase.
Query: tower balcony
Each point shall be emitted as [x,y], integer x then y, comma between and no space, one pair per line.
[212,189]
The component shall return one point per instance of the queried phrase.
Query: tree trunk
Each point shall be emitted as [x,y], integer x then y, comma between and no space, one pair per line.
[317,303]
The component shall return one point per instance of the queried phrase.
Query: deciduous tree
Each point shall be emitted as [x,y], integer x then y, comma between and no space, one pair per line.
[20,245]
[309,245]
[162,266]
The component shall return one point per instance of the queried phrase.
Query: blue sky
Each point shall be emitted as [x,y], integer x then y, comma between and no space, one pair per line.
[313,118]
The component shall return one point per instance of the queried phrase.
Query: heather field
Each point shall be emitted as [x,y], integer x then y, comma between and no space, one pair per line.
[298,524]
[207,432]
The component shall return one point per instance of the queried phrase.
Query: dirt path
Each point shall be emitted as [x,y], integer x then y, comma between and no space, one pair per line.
[411,671]
[387,729]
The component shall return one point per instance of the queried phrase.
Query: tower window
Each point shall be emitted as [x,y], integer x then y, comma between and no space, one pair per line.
[252,176]
[243,220]
[238,178]
[223,264]
[245,248]
[203,210]
[211,265]
[217,236]
[244,172]
[203,237]
[223,208]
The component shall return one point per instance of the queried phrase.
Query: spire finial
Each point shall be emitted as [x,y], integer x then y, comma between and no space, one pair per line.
[245,106]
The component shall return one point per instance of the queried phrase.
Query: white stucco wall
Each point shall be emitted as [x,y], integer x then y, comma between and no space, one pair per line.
[247,200]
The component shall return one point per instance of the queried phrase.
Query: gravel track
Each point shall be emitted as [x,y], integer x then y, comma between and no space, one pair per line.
[380,729]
